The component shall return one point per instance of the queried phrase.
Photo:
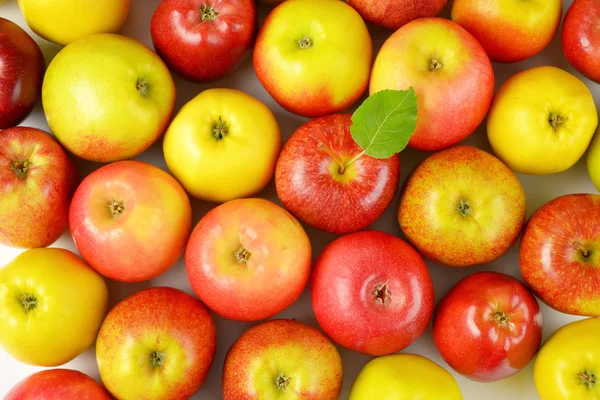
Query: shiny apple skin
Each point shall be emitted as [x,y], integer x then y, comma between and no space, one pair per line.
[21,73]
[203,50]
[470,333]
[309,185]
[552,261]
[54,384]
[346,277]
[580,38]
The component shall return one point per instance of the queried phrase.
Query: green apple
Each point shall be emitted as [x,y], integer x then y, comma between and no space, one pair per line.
[593,161]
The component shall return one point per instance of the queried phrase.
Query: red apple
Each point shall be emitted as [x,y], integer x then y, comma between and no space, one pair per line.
[580,39]
[37,180]
[203,41]
[560,254]
[53,384]
[130,220]
[312,183]
[248,259]
[282,359]
[21,73]
[392,14]
[488,326]
[156,345]
[372,293]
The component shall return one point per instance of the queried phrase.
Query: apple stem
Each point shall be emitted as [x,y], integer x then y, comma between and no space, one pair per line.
[116,208]
[157,359]
[587,378]
[220,129]
[20,168]
[584,252]
[282,382]
[142,86]
[335,157]
[305,43]
[353,160]
[28,302]
[208,13]
[242,255]
[555,121]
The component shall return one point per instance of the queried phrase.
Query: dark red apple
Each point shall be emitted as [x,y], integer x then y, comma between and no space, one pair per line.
[21,73]
[203,40]
[53,384]
[372,293]
[560,254]
[488,326]
[581,37]
[392,14]
[313,183]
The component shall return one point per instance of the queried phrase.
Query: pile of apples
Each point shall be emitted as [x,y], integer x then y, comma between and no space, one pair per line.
[107,98]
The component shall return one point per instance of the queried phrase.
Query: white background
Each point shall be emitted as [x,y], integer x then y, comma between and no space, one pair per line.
[539,190]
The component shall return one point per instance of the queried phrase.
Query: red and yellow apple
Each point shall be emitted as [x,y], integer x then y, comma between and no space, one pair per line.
[392,14]
[53,384]
[580,39]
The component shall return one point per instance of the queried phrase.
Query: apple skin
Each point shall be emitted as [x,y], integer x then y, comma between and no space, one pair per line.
[55,384]
[450,73]
[593,161]
[125,234]
[203,45]
[392,14]
[307,363]
[157,344]
[22,73]
[462,207]
[34,207]
[372,293]
[580,40]
[488,326]
[309,184]
[553,248]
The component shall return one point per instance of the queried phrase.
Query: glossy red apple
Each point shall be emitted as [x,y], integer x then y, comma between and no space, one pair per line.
[372,293]
[488,326]
[203,41]
[392,14]
[53,384]
[560,254]
[21,73]
[580,38]
[312,183]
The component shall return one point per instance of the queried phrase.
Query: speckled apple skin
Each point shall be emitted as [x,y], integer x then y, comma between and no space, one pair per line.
[551,264]
[472,342]
[392,14]
[580,39]
[55,384]
[344,278]
[430,219]
[287,347]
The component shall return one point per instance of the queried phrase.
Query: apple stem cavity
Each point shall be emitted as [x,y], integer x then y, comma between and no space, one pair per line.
[435,65]
[242,255]
[282,382]
[584,252]
[20,168]
[501,318]
[116,208]
[342,165]
[142,86]
[29,302]
[555,121]
[464,208]
[305,43]
[208,13]
[157,359]
[382,294]
[220,129]
[587,378]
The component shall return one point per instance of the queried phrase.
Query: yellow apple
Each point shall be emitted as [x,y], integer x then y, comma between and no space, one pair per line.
[542,121]
[593,161]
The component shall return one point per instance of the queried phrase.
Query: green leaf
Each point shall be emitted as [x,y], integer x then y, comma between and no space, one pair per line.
[384,122]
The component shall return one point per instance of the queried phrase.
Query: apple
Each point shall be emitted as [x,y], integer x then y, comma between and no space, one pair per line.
[312,182]
[488,326]
[203,41]
[560,254]
[107,97]
[51,306]
[462,207]
[282,359]
[593,161]
[392,14]
[450,73]
[37,180]
[509,31]
[157,344]
[130,220]
[580,41]
[313,56]
[55,384]
[542,121]
[22,71]
[371,292]
[248,259]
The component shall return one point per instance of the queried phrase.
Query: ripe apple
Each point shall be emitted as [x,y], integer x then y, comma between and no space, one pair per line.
[593,161]
[450,73]
[56,384]
[107,97]
[313,56]
[542,121]
[462,207]
[372,293]
[580,40]
[313,183]
[51,306]
[203,41]
[37,180]
[157,344]
[282,359]
[560,254]
[223,145]
[488,326]
[130,220]
[392,14]
[509,31]
[248,259]
[22,70]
